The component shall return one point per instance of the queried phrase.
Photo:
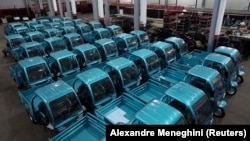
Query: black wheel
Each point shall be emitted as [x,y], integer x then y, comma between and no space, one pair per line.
[231,91]
[220,113]
[5,53]
[32,118]
[239,79]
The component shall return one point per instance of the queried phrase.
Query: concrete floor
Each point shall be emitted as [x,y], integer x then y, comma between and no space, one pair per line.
[16,126]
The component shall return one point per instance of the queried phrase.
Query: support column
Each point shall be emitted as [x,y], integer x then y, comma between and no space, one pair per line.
[95,10]
[51,11]
[38,10]
[136,14]
[143,13]
[217,18]
[100,10]
[68,9]
[107,13]
[60,7]
[73,6]
[41,4]
[55,7]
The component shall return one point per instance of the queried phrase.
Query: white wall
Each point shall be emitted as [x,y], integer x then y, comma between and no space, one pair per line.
[12,3]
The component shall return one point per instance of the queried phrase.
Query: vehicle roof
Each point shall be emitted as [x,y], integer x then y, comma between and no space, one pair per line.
[85,47]
[157,112]
[185,93]
[82,24]
[51,39]
[218,58]
[21,27]
[175,39]
[101,29]
[30,44]
[61,54]
[203,72]
[124,35]
[54,90]
[31,61]
[70,35]
[104,41]
[38,25]
[15,23]
[228,50]
[120,63]
[143,53]
[13,36]
[138,32]
[92,75]
[51,30]
[34,33]
[113,26]
[66,18]
[94,22]
[161,45]
[68,27]
[31,21]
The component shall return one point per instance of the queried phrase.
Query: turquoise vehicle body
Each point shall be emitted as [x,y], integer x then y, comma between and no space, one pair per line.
[29,23]
[56,25]
[66,18]
[45,22]
[179,44]
[72,40]
[127,110]
[192,98]
[142,38]
[87,55]
[22,30]
[221,63]
[62,63]
[114,30]
[13,42]
[235,55]
[204,78]
[95,25]
[67,30]
[107,49]
[31,72]
[94,88]
[52,32]
[67,23]
[9,28]
[35,36]
[84,30]
[55,19]
[89,127]
[165,51]
[126,43]
[38,27]
[99,33]
[77,21]
[53,44]
[55,106]
[28,50]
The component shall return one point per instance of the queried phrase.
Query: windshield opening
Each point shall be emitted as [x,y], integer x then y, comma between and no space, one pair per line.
[105,34]
[97,26]
[181,121]
[153,63]
[232,68]
[64,107]
[202,109]
[23,32]
[58,45]
[110,48]
[102,88]
[38,38]
[183,47]
[54,34]
[15,43]
[170,52]
[76,41]
[218,84]
[118,31]
[131,41]
[92,55]
[85,29]
[129,74]
[68,63]
[34,51]
[68,24]
[144,37]
[37,72]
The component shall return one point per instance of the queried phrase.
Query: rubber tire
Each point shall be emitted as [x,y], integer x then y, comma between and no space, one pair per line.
[239,79]
[31,118]
[222,113]
[234,91]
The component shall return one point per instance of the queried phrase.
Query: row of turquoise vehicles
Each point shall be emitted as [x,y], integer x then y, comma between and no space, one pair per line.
[125,88]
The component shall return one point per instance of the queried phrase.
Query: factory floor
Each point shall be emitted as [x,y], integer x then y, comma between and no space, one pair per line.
[16,126]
